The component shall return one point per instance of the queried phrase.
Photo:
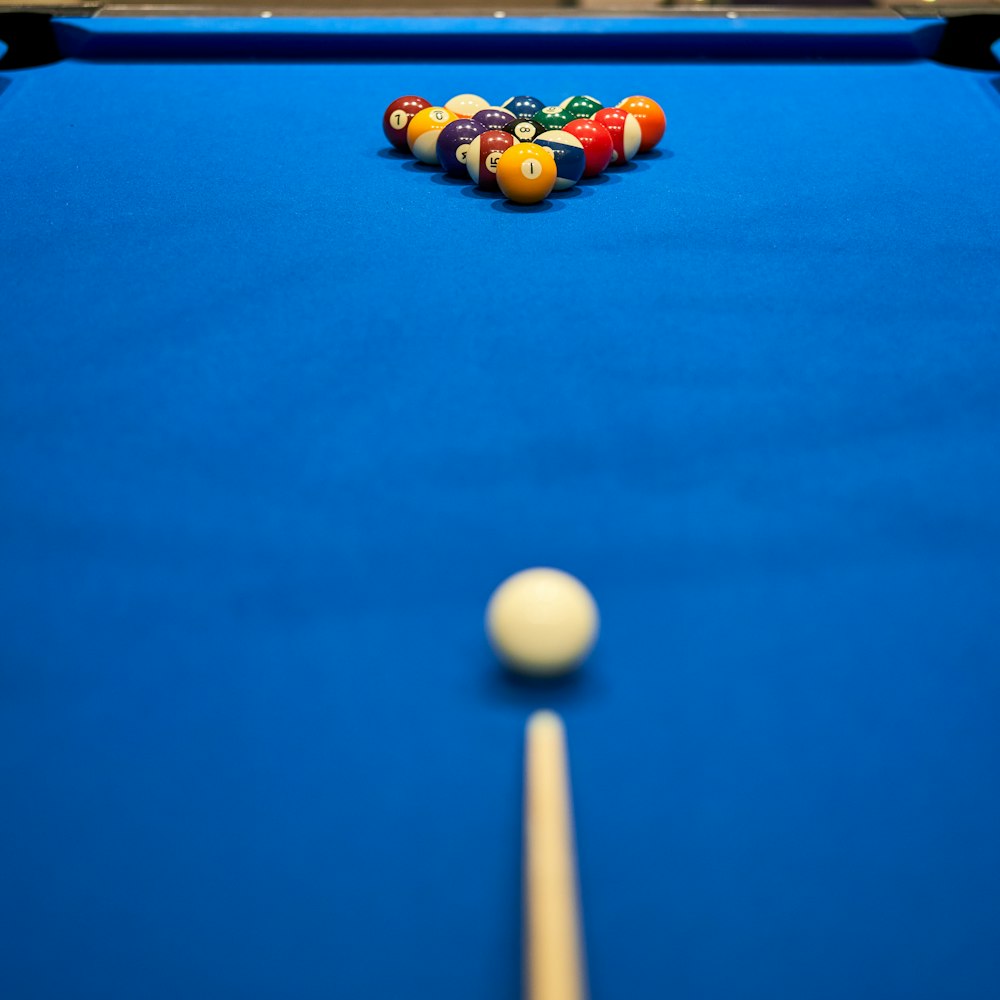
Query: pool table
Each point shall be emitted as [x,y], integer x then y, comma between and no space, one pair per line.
[279,408]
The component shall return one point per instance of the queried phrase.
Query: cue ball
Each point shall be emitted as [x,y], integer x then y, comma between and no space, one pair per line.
[542,622]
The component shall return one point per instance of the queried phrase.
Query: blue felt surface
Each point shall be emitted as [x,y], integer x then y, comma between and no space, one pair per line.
[278,408]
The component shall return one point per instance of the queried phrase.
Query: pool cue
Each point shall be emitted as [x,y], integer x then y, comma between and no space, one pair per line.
[554,964]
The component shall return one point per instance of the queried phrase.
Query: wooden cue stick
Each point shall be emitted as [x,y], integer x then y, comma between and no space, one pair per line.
[553,933]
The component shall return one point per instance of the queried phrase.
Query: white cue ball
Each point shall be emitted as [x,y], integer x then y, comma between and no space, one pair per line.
[542,622]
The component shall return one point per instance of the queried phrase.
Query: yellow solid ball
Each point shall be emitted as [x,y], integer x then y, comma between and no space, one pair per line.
[542,622]
[526,173]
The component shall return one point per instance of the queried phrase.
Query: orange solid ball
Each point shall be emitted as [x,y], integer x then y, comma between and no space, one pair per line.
[652,121]
[526,173]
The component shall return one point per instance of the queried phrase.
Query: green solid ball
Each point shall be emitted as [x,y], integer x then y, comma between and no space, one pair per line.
[552,117]
[581,106]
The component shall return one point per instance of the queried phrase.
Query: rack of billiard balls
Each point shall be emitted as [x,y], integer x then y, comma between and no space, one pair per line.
[523,148]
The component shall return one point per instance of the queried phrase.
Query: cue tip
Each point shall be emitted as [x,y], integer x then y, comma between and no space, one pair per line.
[545,722]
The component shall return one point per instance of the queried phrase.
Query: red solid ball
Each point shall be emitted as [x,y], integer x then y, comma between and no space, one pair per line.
[397,117]
[597,144]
